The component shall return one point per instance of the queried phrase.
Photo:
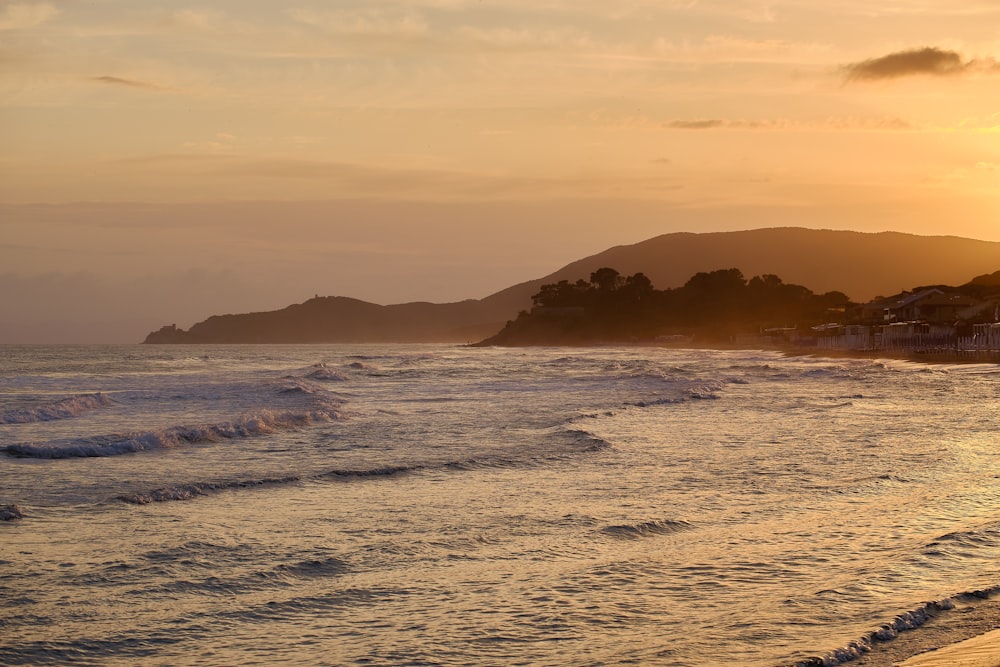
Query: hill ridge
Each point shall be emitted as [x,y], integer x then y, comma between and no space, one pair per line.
[861,264]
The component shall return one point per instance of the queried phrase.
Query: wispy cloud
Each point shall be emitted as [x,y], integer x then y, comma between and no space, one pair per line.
[336,180]
[695,124]
[129,83]
[824,125]
[928,60]
[375,23]
[26,15]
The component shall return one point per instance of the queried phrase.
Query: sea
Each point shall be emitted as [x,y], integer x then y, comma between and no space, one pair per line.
[448,505]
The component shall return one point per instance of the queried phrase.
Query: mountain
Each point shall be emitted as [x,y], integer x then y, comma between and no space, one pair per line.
[862,265]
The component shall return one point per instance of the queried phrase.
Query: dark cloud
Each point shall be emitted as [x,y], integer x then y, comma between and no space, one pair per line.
[695,124]
[928,60]
[131,83]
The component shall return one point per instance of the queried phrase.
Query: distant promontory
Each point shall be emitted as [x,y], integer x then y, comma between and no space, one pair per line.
[337,319]
[856,264]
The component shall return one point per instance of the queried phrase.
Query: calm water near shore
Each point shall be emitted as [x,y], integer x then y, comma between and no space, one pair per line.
[434,505]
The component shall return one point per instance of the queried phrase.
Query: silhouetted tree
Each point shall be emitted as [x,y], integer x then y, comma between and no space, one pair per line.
[723,282]
[638,287]
[605,279]
[713,304]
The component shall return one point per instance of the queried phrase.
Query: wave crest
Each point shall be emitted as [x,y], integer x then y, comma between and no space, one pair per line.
[581,441]
[182,492]
[909,620]
[259,423]
[66,408]
[587,441]
[189,491]
[634,531]
[324,372]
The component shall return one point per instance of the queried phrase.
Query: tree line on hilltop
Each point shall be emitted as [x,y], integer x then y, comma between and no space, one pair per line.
[713,305]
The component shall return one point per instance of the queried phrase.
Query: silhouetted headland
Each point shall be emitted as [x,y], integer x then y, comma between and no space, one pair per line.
[336,319]
[860,265]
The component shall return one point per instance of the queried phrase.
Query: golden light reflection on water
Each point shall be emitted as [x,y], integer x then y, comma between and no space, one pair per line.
[757,509]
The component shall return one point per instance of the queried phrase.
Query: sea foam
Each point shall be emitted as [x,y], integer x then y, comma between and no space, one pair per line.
[909,620]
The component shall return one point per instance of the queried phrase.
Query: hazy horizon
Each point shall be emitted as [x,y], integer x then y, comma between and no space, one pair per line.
[163,163]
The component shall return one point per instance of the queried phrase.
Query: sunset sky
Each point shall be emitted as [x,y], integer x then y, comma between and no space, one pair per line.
[160,162]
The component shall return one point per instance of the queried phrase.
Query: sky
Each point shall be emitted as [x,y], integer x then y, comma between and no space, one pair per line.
[164,161]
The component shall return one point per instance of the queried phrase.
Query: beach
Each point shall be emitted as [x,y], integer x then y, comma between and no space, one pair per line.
[965,636]
[981,651]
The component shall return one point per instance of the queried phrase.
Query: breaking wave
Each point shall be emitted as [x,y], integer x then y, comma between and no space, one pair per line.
[66,408]
[703,390]
[294,385]
[325,373]
[859,647]
[909,620]
[258,423]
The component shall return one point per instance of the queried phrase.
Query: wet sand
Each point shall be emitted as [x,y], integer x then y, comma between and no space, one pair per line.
[981,651]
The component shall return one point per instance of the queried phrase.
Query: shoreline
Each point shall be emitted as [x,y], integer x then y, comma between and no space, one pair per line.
[917,356]
[980,651]
[944,639]
[926,357]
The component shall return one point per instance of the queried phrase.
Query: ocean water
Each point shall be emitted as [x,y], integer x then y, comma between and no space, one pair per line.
[435,505]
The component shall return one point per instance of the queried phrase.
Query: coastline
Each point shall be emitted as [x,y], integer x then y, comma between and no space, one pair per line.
[926,357]
[981,651]
[965,636]
[917,356]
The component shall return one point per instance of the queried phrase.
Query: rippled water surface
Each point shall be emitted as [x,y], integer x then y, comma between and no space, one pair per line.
[430,505]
